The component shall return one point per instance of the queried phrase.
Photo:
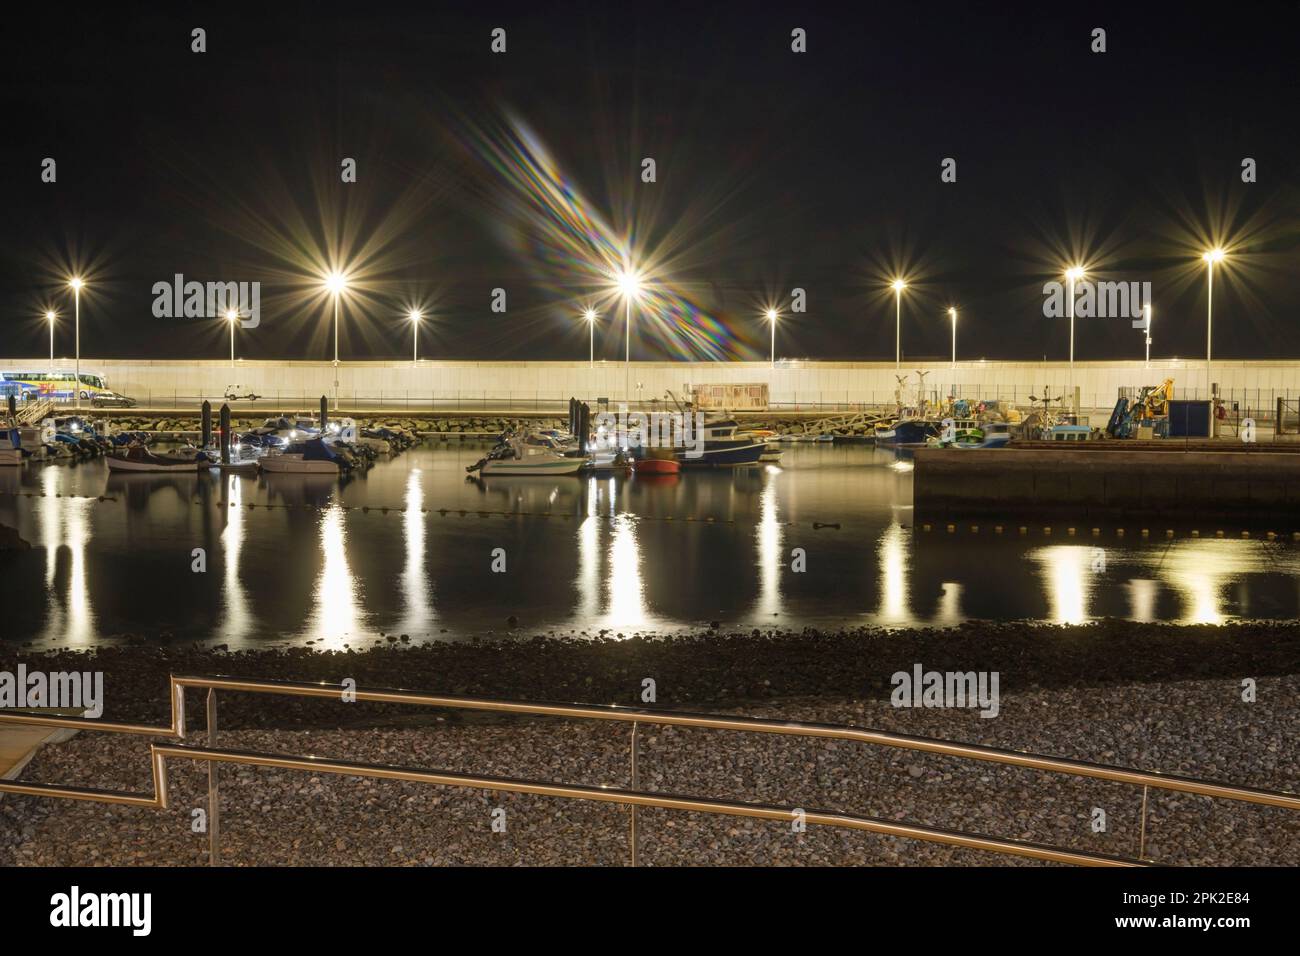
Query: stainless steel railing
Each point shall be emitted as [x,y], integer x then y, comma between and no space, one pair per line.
[631,797]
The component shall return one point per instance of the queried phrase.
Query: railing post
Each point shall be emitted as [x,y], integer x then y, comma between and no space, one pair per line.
[214,805]
[1142,832]
[632,837]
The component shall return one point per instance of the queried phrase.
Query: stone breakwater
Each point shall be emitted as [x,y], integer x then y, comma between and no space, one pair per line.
[433,426]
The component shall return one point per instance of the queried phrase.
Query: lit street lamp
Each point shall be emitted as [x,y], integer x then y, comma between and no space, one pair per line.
[952,314]
[336,283]
[1072,275]
[232,316]
[629,284]
[590,316]
[1210,256]
[1148,334]
[50,317]
[772,315]
[898,286]
[76,284]
[415,316]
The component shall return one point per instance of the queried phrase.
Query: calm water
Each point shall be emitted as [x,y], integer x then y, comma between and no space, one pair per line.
[314,566]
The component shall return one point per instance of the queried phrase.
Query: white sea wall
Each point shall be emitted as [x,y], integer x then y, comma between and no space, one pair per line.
[795,384]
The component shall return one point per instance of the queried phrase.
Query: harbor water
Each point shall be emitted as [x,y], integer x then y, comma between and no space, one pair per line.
[411,547]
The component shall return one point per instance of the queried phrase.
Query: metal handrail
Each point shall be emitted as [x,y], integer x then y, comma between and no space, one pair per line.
[631,797]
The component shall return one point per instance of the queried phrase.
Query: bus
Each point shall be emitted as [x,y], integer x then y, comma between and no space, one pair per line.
[58,386]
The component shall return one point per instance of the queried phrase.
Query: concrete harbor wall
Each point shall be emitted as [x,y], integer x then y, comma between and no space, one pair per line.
[1258,485]
[791,384]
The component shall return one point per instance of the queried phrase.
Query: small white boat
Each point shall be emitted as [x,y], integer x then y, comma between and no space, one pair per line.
[517,456]
[138,458]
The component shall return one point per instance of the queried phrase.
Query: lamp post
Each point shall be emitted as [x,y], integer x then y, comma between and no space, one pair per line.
[336,282]
[772,316]
[1210,257]
[231,318]
[1148,335]
[76,284]
[1072,275]
[952,314]
[590,316]
[415,316]
[629,284]
[898,286]
[50,317]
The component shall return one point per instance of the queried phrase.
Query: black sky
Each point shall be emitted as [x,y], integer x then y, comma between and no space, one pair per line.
[818,170]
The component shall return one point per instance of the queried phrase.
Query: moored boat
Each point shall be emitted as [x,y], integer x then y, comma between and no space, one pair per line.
[140,459]
[312,457]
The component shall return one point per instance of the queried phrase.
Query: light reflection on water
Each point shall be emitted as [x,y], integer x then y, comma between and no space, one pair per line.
[583,554]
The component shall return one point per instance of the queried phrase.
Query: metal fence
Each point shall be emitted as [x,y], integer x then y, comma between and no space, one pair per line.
[630,796]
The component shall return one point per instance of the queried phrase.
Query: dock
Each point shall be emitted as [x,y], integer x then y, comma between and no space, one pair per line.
[1110,479]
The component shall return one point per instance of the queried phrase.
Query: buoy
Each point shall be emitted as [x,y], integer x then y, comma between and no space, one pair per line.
[1047,530]
[1146,533]
[997,529]
[1024,530]
[1070,532]
[974,529]
[925,527]
[1271,536]
[1119,532]
[1196,534]
[1096,532]
[1245,534]
[1218,534]
[952,528]
[1169,533]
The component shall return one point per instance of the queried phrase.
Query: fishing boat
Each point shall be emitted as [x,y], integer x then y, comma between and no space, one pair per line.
[140,459]
[905,431]
[722,445]
[312,457]
[983,435]
[516,455]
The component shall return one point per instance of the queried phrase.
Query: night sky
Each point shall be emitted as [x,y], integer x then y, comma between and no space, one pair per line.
[775,170]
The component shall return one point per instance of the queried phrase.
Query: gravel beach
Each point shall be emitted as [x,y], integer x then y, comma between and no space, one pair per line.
[1193,726]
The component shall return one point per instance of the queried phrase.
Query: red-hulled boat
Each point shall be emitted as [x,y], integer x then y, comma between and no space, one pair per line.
[656,466]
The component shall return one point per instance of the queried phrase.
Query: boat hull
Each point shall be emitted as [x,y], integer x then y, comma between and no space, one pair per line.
[723,454]
[557,466]
[153,466]
[296,465]
[656,466]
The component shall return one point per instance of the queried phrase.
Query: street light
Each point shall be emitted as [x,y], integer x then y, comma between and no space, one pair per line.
[1073,275]
[1210,257]
[415,315]
[898,286]
[629,285]
[771,318]
[336,283]
[1148,334]
[232,316]
[50,317]
[590,316]
[952,314]
[76,284]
